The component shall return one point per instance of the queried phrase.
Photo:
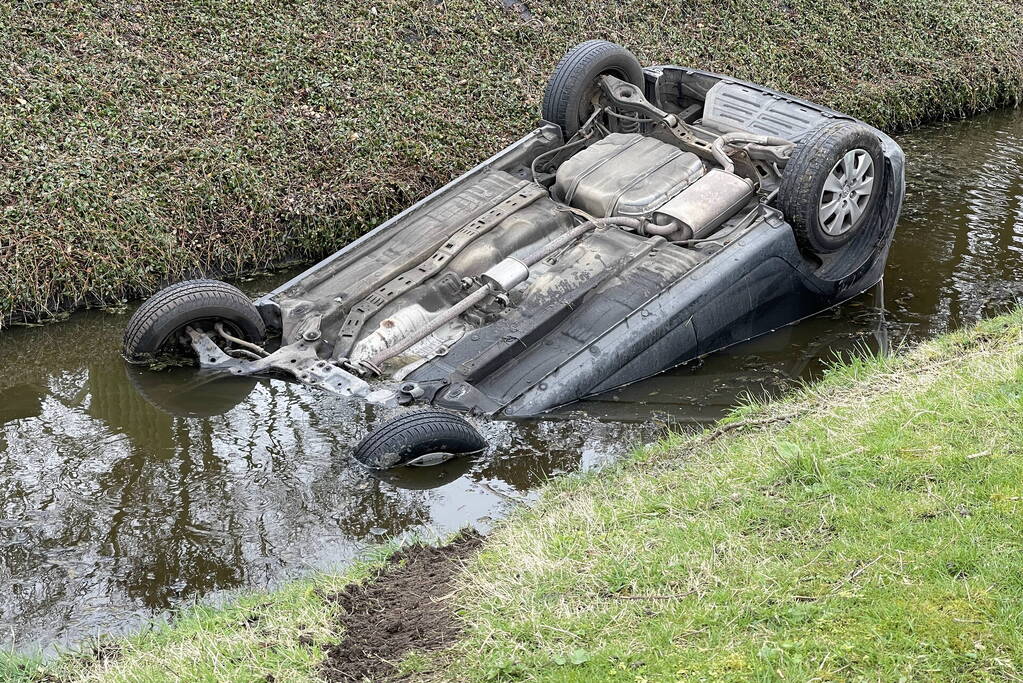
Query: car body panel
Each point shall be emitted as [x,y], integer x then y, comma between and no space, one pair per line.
[616,307]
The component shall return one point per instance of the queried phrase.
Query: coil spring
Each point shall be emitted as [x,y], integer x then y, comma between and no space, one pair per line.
[627,126]
[626,123]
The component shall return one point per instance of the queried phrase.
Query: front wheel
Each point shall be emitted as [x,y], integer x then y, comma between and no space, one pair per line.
[831,185]
[420,437]
[158,326]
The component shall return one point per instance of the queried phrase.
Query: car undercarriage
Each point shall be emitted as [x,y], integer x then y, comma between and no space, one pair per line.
[654,216]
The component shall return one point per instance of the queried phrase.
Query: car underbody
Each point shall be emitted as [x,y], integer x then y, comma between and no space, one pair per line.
[592,253]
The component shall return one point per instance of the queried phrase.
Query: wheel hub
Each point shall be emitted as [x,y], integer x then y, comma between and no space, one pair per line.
[846,192]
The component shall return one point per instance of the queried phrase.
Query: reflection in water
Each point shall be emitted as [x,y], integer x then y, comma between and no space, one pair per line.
[126,493]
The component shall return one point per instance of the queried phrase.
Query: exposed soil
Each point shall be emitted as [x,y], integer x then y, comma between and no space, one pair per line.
[403,608]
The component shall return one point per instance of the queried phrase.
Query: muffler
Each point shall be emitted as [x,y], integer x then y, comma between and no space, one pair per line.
[707,203]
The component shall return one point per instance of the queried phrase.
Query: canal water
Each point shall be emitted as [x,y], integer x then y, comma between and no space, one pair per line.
[125,494]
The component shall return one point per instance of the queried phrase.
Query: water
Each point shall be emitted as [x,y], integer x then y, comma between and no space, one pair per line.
[124,494]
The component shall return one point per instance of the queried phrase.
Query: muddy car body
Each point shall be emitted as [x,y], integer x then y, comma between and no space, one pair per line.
[654,216]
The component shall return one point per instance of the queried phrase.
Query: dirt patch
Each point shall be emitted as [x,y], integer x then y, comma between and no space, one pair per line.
[518,8]
[402,608]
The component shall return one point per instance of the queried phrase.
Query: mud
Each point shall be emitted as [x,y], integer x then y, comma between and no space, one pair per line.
[405,607]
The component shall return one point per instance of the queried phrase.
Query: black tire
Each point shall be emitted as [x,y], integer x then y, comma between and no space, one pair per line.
[801,193]
[157,325]
[573,84]
[408,437]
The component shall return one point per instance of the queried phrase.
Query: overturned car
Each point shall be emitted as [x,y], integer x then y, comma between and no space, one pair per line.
[654,216]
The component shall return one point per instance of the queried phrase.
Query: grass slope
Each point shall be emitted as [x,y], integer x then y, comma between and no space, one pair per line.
[277,636]
[141,142]
[867,528]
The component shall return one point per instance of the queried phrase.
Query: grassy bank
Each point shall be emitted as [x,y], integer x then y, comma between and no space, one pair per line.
[277,636]
[867,527]
[143,142]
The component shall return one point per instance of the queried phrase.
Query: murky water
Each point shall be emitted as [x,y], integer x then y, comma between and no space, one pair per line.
[124,494]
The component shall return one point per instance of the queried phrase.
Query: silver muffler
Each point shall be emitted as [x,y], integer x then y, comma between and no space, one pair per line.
[707,203]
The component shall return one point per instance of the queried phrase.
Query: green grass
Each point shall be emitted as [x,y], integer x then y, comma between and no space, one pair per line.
[267,636]
[869,527]
[16,668]
[143,142]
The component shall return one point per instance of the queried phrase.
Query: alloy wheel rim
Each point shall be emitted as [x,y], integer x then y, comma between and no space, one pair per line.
[846,192]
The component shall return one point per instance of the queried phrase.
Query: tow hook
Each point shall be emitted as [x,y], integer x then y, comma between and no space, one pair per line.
[409,392]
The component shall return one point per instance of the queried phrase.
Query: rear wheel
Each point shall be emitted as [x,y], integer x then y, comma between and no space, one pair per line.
[573,87]
[831,185]
[421,437]
[158,326]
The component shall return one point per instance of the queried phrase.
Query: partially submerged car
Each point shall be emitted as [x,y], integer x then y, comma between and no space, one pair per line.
[654,216]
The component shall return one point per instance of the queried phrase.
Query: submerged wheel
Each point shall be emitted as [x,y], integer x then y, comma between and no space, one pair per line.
[573,86]
[831,185]
[157,327]
[421,437]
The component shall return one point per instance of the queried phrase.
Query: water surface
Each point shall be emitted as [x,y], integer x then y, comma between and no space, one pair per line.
[124,494]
